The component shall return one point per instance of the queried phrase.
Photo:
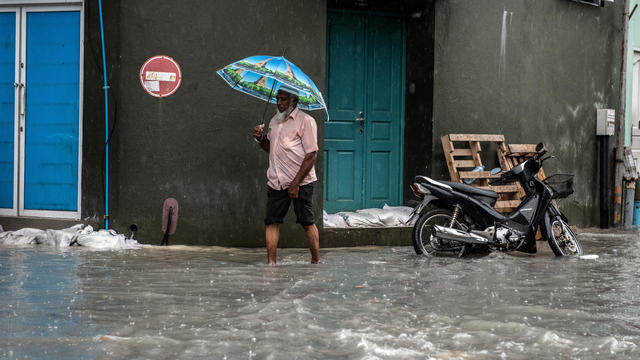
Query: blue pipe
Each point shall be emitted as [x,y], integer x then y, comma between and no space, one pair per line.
[106,123]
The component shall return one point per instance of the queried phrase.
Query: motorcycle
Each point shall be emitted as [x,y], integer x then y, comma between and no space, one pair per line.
[456,218]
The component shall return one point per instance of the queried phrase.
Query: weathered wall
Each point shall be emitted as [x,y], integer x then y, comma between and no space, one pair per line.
[533,70]
[195,145]
[93,124]
[418,94]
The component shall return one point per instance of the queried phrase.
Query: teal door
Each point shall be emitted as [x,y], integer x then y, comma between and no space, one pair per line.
[363,139]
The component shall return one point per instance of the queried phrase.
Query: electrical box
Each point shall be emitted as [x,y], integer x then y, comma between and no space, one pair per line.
[593,2]
[606,122]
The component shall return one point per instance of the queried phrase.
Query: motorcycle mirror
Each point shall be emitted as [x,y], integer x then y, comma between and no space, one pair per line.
[539,147]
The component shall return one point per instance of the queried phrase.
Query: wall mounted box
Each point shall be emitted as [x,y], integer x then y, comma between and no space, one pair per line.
[605,122]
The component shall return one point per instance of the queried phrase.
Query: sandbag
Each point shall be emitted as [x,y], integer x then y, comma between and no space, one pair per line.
[332,220]
[106,239]
[25,236]
[62,238]
[355,219]
[386,217]
[403,213]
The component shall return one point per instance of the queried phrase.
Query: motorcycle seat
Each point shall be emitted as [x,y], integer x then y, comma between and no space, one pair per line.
[488,196]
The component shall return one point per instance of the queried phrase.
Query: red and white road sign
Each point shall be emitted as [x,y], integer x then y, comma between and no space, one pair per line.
[160,76]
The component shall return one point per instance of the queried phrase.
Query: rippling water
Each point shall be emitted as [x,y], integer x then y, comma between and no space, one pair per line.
[359,303]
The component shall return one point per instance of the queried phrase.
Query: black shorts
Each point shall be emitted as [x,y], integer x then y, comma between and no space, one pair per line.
[278,202]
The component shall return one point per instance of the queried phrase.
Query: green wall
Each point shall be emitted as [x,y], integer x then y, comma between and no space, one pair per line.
[533,70]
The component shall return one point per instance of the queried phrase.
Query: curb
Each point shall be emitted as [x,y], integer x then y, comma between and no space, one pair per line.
[609,236]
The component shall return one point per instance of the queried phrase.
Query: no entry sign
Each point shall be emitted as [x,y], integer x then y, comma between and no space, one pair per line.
[160,76]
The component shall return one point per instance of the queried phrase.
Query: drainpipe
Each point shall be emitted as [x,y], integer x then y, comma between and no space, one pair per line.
[106,123]
[629,203]
[617,184]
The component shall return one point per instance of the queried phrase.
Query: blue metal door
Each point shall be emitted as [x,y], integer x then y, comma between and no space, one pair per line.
[363,139]
[52,86]
[7,108]
[40,62]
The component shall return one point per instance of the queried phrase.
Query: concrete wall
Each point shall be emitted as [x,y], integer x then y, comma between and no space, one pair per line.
[93,127]
[194,145]
[533,70]
[418,94]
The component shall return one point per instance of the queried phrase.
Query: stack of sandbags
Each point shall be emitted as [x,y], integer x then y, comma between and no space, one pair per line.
[75,235]
[388,216]
[30,236]
[106,239]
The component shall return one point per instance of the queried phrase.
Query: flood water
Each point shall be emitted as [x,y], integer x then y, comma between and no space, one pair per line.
[359,303]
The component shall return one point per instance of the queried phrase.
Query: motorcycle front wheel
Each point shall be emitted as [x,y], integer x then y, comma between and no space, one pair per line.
[423,242]
[563,241]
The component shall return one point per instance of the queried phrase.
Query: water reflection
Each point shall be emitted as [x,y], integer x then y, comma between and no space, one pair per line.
[186,303]
[38,290]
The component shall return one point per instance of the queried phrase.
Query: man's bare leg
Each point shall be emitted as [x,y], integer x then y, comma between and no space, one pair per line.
[313,238]
[272,234]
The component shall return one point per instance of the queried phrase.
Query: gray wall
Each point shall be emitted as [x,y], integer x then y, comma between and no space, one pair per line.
[93,127]
[533,70]
[194,145]
[418,95]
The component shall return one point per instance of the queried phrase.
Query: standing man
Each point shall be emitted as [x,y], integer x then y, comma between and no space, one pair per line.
[292,145]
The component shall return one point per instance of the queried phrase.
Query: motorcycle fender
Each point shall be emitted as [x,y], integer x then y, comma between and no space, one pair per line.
[545,229]
[418,209]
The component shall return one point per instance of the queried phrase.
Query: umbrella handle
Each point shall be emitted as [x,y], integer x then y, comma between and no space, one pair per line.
[263,136]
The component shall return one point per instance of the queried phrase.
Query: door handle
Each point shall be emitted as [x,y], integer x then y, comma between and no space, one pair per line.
[360,121]
[23,99]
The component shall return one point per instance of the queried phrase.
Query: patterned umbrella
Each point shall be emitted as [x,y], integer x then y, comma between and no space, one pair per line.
[261,76]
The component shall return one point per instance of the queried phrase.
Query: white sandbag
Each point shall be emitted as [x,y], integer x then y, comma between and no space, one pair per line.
[387,218]
[26,236]
[106,239]
[355,219]
[403,213]
[332,220]
[49,237]
[64,237]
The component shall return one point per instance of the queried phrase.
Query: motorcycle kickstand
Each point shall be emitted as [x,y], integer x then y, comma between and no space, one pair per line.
[461,253]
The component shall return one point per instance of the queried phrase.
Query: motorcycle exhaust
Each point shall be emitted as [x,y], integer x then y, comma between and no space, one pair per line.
[458,235]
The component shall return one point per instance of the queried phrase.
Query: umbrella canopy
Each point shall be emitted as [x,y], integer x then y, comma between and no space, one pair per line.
[261,76]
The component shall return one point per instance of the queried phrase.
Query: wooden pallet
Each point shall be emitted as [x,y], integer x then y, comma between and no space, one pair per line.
[461,160]
[517,154]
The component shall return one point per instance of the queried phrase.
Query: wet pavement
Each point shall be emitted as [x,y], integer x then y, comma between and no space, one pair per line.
[359,303]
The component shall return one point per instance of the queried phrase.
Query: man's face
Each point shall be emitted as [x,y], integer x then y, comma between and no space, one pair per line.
[283,100]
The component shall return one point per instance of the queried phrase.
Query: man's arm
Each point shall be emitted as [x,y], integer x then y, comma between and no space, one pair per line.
[306,166]
[265,145]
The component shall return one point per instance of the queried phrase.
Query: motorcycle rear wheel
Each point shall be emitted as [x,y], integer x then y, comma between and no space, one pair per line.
[423,242]
[563,241]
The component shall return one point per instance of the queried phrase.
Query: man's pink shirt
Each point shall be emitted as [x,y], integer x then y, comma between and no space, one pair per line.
[290,141]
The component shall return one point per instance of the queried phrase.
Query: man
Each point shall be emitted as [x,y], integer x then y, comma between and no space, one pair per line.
[292,146]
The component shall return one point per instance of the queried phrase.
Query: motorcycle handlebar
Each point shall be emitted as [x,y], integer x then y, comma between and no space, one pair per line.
[507,175]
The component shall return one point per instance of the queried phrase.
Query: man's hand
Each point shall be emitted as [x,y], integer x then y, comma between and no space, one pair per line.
[258,130]
[293,191]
